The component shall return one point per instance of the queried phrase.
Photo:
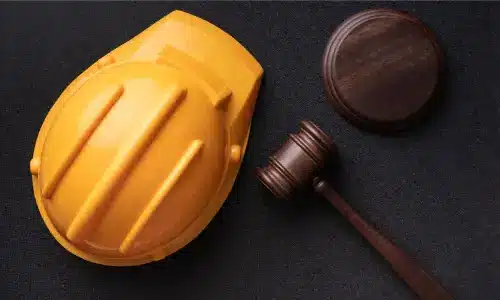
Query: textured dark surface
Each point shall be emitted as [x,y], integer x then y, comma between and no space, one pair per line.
[434,190]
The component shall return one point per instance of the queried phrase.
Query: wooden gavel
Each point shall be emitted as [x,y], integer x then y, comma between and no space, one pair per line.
[297,164]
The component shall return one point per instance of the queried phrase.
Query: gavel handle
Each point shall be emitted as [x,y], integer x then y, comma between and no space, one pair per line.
[421,283]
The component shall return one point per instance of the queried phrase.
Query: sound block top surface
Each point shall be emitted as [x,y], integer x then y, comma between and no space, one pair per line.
[380,69]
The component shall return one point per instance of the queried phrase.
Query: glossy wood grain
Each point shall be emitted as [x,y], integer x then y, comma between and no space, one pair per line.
[381,68]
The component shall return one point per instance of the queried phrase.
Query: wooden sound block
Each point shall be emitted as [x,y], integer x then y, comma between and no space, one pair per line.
[381,69]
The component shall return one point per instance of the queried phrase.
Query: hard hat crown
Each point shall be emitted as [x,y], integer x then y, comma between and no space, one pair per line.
[138,154]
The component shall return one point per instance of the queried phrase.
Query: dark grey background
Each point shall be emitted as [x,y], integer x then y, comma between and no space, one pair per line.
[435,190]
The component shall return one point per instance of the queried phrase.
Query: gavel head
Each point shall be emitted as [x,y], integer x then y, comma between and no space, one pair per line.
[297,161]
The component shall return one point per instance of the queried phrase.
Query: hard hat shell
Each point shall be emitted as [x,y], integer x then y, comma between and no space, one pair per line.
[140,151]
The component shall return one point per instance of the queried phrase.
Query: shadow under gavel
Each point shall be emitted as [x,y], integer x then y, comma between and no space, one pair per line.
[297,163]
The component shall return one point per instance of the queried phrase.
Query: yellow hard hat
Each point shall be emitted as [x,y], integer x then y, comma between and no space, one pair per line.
[140,151]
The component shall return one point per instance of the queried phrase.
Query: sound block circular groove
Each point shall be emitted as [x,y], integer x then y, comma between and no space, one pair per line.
[381,68]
